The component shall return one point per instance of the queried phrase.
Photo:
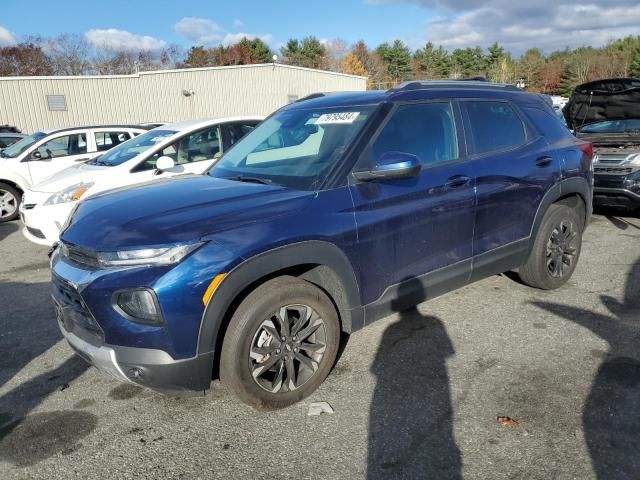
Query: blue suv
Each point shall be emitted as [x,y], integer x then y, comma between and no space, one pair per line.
[334,212]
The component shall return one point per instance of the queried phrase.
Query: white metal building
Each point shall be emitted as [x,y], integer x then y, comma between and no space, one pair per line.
[36,103]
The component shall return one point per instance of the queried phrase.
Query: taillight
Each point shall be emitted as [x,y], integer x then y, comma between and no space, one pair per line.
[586,148]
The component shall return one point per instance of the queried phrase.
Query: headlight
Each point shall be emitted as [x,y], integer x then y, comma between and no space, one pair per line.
[147,256]
[634,159]
[71,194]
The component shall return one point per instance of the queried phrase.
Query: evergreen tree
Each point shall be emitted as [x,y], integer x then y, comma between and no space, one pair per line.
[397,59]
[308,53]
[432,62]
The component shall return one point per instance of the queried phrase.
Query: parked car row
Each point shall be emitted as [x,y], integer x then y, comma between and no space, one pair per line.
[185,147]
[330,214]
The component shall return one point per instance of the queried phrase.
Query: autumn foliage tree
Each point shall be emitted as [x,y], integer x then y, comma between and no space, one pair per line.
[24,59]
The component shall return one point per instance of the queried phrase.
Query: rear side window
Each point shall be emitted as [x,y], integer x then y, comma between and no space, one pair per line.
[493,126]
[425,130]
[106,140]
[549,125]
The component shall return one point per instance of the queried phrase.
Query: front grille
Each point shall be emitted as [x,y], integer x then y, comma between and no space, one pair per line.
[80,256]
[613,170]
[29,206]
[35,232]
[73,313]
[611,158]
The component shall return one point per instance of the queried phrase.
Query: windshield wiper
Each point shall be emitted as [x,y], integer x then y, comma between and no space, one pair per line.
[242,178]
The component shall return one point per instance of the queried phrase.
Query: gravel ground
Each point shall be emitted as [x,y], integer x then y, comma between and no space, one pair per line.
[416,395]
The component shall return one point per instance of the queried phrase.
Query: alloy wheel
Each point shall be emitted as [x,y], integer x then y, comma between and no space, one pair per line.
[561,248]
[8,204]
[287,348]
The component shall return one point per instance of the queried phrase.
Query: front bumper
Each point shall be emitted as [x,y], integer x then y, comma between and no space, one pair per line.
[617,190]
[157,357]
[149,368]
[42,223]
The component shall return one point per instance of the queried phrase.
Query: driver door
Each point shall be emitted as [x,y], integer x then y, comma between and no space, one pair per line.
[56,154]
[193,153]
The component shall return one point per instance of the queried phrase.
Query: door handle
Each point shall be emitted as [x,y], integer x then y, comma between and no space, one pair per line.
[457,181]
[544,161]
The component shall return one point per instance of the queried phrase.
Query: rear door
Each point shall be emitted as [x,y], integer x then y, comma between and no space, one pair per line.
[410,227]
[514,167]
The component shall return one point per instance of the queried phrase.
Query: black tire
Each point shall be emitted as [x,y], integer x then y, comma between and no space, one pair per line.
[10,197]
[552,262]
[249,326]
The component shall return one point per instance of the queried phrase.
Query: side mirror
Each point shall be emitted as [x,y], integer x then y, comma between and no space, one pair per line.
[36,155]
[391,165]
[164,163]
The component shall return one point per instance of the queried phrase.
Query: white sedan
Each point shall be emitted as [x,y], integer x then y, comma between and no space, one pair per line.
[191,146]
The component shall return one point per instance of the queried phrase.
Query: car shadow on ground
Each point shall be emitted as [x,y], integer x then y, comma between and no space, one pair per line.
[411,415]
[611,415]
[27,330]
[7,229]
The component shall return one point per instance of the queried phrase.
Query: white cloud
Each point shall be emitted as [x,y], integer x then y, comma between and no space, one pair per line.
[232,38]
[201,31]
[113,39]
[237,23]
[548,24]
[6,37]
[204,31]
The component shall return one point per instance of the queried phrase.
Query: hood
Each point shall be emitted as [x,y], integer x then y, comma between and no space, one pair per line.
[181,209]
[81,173]
[611,99]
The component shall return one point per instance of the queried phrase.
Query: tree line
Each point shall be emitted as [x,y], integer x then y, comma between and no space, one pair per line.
[386,65]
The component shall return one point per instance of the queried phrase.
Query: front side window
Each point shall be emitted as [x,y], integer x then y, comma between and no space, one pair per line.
[107,140]
[22,145]
[426,130]
[196,147]
[64,146]
[294,148]
[494,126]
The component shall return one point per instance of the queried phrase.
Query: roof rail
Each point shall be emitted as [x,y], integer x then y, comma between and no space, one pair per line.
[463,83]
[311,97]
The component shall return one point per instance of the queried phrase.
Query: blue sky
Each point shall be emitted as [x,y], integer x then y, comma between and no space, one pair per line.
[549,24]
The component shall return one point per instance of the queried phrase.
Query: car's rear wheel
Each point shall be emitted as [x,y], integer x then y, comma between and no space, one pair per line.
[9,202]
[280,344]
[556,249]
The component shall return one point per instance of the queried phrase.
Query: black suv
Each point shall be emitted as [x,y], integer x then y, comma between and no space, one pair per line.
[607,114]
[332,213]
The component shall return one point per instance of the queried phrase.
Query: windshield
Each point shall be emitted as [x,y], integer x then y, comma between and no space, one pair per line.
[613,126]
[294,148]
[131,148]
[22,145]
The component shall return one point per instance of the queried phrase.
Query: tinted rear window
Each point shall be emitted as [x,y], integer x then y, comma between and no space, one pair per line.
[549,125]
[494,126]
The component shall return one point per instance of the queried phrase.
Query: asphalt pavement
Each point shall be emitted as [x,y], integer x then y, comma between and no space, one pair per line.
[493,381]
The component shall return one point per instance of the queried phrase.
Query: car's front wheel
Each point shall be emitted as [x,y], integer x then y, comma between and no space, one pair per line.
[556,249]
[280,344]
[9,203]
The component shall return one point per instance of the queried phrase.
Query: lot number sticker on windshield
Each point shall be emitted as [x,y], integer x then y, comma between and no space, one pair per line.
[343,117]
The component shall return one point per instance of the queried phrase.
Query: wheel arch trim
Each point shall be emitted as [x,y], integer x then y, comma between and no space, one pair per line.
[569,186]
[242,276]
